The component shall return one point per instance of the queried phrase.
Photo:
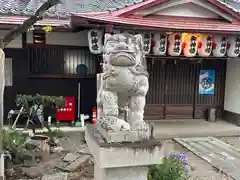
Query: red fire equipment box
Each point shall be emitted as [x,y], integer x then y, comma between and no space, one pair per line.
[67,113]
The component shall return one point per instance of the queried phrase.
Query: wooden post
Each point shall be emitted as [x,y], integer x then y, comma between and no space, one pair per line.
[2,86]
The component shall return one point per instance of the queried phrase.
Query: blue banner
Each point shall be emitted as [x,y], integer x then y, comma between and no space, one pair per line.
[206,81]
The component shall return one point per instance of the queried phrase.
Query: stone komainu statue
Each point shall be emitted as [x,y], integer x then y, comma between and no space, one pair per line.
[123,83]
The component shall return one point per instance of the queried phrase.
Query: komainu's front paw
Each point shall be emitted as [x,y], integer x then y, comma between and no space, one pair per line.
[113,124]
[125,126]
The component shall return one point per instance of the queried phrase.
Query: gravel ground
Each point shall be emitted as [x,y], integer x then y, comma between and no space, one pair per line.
[198,168]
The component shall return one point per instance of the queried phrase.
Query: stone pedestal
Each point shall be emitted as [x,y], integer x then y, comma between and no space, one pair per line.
[125,136]
[122,161]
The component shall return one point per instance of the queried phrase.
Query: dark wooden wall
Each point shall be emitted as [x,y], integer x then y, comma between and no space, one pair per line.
[174,92]
[27,82]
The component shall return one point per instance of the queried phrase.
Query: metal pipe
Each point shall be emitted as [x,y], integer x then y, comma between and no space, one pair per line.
[79,100]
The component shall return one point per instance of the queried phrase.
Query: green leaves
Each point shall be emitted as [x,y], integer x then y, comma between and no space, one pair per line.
[14,142]
[27,101]
[172,169]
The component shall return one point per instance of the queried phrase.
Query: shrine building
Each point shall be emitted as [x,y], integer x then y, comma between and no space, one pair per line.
[192,49]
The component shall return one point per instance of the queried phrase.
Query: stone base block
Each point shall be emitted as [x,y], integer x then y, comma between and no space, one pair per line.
[123,173]
[123,161]
[124,136]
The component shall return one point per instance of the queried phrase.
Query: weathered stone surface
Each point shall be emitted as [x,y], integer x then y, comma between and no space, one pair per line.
[57,149]
[122,88]
[232,140]
[122,154]
[122,161]
[57,176]
[70,157]
[74,165]
[30,163]
[125,136]
[219,154]
[32,172]
[65,144]
[84,151]
[42,168]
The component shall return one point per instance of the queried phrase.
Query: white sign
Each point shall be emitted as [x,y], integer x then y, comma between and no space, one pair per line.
[8,72]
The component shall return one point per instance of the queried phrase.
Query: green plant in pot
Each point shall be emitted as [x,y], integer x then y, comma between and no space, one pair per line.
[173,167]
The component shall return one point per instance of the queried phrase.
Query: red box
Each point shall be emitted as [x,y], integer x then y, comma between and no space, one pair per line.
[67,113]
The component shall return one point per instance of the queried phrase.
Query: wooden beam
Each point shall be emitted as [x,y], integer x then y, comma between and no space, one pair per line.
[195,59]
[62,76]
[157,30]
[24,40]
[100,24]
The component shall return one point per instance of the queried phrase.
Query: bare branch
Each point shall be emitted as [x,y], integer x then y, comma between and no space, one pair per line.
[29,22]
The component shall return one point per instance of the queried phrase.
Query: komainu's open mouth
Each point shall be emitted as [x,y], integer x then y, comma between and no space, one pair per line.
[122,59]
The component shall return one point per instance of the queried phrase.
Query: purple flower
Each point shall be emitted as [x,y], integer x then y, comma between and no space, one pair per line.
[182,157]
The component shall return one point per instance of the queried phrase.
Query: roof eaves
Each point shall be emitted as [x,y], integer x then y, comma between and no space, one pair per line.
[226,7]
[17,20]
[137,7]
[91,13]
[169,23]
[227,4]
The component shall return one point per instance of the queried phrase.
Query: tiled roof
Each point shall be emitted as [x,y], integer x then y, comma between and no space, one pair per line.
[232,4]
[63,10]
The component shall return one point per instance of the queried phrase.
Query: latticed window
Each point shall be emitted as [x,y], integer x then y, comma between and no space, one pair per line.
[79,62]
[61,61]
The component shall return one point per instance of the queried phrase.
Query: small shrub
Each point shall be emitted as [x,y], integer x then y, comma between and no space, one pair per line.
[174,167]
[14,142]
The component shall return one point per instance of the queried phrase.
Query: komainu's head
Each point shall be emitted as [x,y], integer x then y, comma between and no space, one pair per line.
[124,50]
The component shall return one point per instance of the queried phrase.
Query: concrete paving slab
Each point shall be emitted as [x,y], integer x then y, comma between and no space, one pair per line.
[193,128]
[219,154]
